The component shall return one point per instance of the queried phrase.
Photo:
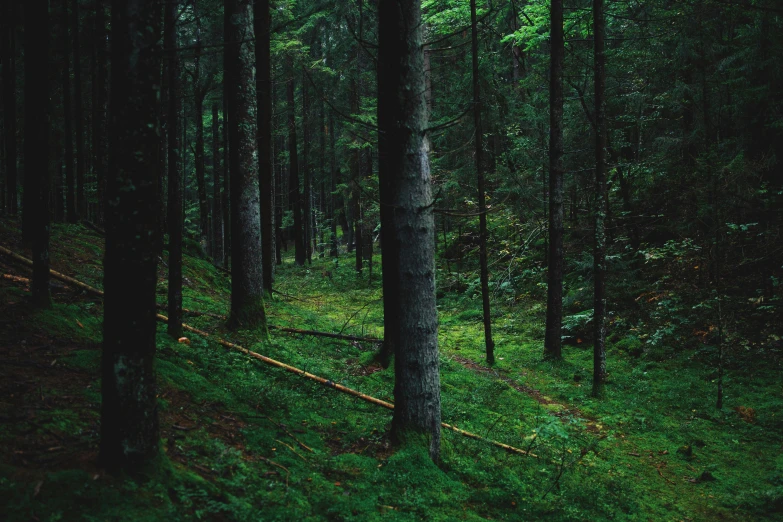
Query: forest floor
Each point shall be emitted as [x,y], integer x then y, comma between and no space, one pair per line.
[245,441]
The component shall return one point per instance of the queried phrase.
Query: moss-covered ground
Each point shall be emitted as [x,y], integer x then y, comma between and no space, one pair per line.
[244,441]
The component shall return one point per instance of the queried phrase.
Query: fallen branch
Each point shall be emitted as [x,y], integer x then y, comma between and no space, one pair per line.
[277,364]
[327,334]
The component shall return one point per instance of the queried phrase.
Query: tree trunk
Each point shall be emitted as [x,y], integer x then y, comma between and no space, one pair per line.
[203,208]
[554,308]
[99,109]
[175,224]
[217,207]
[261,22]
[599,261]
[410,315]
[333,186]
[293,174]
[8,50]
[226,204]
[129,409]
[478,140]
[307,208]
[70,186]
[247,287]
[78,115]
[36,142]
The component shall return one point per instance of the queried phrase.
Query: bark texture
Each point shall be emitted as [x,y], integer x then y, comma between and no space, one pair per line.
[599,255]
[294,199]
[217,204]
[261,21]
[247,291]
[408,224]
[554,308]
[129,410]
[36,143]
[489,343]
[8,50]
[175,224]
[78,115]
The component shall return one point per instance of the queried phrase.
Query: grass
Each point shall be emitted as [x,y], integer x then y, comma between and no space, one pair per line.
[249,442]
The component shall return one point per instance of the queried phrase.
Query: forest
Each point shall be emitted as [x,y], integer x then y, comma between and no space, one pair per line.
[360,260]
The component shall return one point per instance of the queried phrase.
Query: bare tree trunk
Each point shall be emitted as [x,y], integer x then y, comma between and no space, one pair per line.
[333,252]
[478,140]
[175,224]
[226,204]
[99,109]
[78,115]
[409,235]
[217,207]
[261,22]
[307,208]
[36,142]
[129,409]
[8,50]
[293,174]
[554,309]
[247,285]
[70,186]
[599,261]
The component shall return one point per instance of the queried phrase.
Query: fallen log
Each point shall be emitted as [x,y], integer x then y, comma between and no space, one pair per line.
[277,364]
[327,334]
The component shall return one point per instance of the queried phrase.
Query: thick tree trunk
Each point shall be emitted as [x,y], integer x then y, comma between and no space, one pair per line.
[554,309]
[356,170]
[261,22]
[599,256]
[247,288]
[99,110]
[217,207]
[175,224]
[78,115]
[129,410]
[293,174]
[8,57]
[478,140]
[36,142]
[70,185]
[410,315]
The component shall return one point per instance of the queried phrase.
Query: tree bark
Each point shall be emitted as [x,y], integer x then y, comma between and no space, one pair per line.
[36,143]
[175,224]
[129,410]
[226,204]
[599,260]
[307,208]
[8,49]
[478,140]
[410,315]
[247,289]
[70,185]
[333,186]
[198,100]
[217,207]
[261,22]
[99,110]
[293,174]
[78,115]
[554,309]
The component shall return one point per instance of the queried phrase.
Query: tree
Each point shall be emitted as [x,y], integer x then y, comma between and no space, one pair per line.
[36,143]
[554,303]
[261,21]
[99,109]
[81,201]
[247,291]
[8,57]
[70,182]
[129,410]
[294,199]
[409,225]
[601,204]
[174,219]
[479,151]
[217,204]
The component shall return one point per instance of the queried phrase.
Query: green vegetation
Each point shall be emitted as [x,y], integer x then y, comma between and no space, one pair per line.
[245,441]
